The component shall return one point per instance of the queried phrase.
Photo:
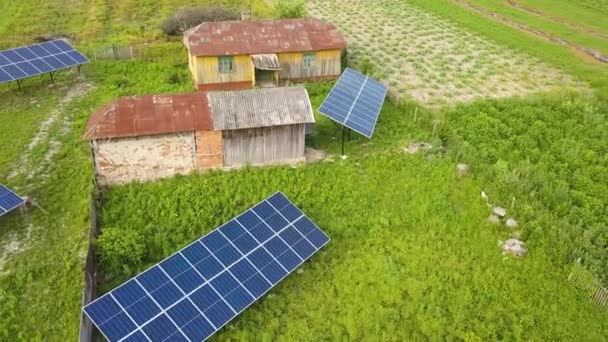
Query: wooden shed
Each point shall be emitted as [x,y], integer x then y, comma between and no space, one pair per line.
[141,138]
[230,55]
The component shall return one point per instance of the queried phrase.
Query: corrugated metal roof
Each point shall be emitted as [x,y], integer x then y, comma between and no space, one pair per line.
[269,61]
[260,108]
[248,37]
[150,114]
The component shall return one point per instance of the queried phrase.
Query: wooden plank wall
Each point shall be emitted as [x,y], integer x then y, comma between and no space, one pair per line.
[327,63]
[207,70]
[261,146]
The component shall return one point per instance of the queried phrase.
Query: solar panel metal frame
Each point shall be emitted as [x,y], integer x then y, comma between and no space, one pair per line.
[362,87]
[36,59]
[9,200]
[225,270]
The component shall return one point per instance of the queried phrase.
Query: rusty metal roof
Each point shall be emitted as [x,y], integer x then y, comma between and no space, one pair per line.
[268,61]
[264,107]
[150,114]
[248,37]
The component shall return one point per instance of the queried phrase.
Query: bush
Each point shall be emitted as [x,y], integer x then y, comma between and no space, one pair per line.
[120,250]
[284,9]
[188,17]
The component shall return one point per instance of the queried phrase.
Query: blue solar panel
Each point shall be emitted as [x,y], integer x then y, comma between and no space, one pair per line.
[355,101]
[19,63]
[9,200]
[196,291]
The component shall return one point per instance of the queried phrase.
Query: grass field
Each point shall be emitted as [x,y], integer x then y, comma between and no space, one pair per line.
[412,255]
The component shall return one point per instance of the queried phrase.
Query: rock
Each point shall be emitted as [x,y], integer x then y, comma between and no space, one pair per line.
[343,157]
[416,147]
[511,223]
[493,219]
[514,247]
[462,170]
[500,211]
[300,271]
[484,196]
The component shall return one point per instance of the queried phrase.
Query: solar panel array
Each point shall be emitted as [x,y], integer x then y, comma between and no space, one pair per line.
[355,102]
[9,200]
[26,61]
[196,291]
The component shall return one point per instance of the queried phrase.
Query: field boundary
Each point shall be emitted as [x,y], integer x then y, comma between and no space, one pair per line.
[91,275]
[597,55]
[538,13]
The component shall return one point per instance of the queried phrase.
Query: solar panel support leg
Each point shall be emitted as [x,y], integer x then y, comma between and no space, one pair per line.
[343,135]
[52,79]
[19,84]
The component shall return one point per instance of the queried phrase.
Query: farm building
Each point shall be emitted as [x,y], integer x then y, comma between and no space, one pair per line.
[230,55]
[142,138]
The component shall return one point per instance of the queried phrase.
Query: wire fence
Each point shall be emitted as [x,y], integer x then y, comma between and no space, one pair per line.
[589,284]
[147,52]
[141,51]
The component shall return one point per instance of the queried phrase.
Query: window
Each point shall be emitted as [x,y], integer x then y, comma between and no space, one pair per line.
[309,60]
[226,64]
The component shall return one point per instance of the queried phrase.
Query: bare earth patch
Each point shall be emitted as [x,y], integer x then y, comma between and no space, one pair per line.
[57,115]
[14,244]
[433,61]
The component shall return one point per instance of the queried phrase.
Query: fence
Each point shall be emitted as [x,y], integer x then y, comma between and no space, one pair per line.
[140,52]
[591,286]
[90,272]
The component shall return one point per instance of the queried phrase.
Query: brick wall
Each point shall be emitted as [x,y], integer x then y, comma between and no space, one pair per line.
[209,149]
[146,158]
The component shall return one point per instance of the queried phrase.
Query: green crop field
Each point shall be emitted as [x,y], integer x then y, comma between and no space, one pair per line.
[412,255]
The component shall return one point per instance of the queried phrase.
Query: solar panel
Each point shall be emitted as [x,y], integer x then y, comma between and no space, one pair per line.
[22,62]
[196,291]
[355,102]
[9,200]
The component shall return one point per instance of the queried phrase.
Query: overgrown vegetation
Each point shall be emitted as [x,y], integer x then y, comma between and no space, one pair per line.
[417,260]
[188,17]
[285,9]
[412,256]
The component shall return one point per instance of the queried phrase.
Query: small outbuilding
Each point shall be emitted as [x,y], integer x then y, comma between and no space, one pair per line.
[141,138]
[228,55]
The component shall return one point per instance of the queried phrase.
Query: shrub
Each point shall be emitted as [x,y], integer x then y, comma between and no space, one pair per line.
[284,9]
[188,17]
[121,249]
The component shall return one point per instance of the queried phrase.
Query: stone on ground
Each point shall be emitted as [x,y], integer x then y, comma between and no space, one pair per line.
[462,170]
[493,219]
[511,223]
[514,247]
[499,211]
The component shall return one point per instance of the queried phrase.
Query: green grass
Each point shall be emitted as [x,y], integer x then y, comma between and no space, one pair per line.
[417,262]
[411,256]
[562,57]
[543,24]
[100,21]
[572,12]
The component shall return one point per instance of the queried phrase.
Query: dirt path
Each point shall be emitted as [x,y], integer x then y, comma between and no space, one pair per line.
[51,133]
[581,29]
[26,166]
[523,27]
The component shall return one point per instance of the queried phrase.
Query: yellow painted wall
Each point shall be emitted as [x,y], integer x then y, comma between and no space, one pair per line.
[206,70]
[327,63]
